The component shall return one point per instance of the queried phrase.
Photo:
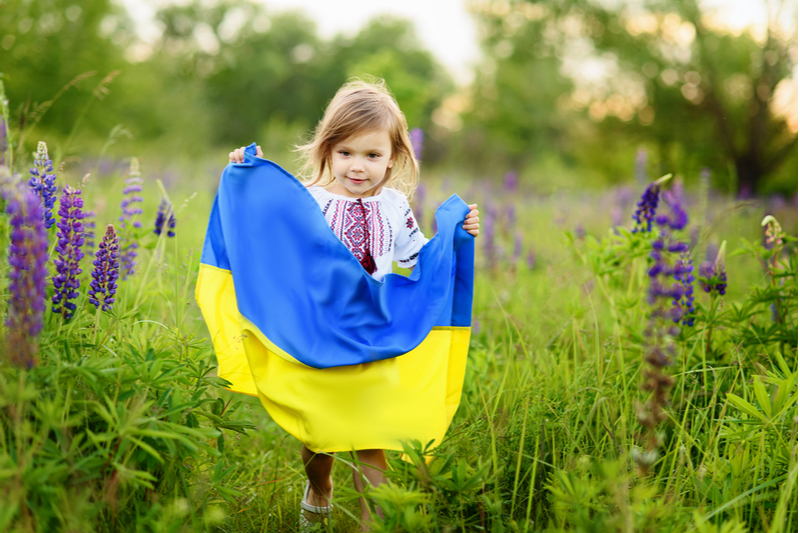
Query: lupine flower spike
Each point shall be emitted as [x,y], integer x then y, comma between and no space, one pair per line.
[70,240]
[684,274]
[646,207]
[713,278]
[669,281]
[43,183]
[416,142]
[27,256]
[129,221]
[106,271]
[773,232]
[89,225]
[511,181]
[3,141]
[165,211]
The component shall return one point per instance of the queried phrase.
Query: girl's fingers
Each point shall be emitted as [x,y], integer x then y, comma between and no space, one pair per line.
[259,153]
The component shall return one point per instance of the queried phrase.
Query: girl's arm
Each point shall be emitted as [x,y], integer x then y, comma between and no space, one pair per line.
[237,156]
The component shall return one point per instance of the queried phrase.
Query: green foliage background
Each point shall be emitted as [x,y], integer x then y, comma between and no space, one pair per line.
[221,74]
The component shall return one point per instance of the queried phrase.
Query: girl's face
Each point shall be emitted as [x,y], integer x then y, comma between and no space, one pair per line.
[360,164]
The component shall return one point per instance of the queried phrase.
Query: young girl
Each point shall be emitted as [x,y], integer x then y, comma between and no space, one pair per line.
[363,170]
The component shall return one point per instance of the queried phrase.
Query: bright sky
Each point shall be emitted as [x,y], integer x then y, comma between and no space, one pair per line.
[444,26]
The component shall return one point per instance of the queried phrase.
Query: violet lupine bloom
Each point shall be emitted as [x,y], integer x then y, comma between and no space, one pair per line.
[161,219]
[43,182]
[646,209]
[106,271]
[511,216]
[3,141]
[511,181]
[129,221]
[416,142]
[70,241]
[713,278]
[531,259]
[683,273]
[419,205]
[677,217]
[27,256]
[89,225]
[515,255]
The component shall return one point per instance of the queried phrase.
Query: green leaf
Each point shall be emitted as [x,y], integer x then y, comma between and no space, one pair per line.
[745,407]
[761,395]
[146,447]
[782,363]
[781,395]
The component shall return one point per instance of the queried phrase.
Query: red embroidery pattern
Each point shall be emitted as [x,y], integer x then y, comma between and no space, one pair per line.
[360,226]
[409,222]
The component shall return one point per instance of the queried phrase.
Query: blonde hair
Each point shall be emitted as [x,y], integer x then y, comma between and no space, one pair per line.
[361,107]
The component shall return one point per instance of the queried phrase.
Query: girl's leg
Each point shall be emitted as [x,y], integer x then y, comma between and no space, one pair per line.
[318,469]
[373,465]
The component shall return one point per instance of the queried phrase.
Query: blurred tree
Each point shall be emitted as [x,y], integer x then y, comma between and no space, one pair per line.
[513,115]
[670,77]
[265,71]
[47,43]
[388,48]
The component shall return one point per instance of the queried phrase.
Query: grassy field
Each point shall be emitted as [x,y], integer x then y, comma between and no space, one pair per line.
[123,425]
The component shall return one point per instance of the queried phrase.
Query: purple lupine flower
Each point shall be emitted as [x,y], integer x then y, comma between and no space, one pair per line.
[27,256]
[511,181]
[416,142]
[43,182]
[677,217]
[531,259]
[3,141]
[773,232]
[712,276]
[515,255]
[129,221]
[616,216]
[419,205]
[164,211]
[580,232]
[511,216]
[683,273]
[70,241]
[106,271]
[646,209]
[89,225]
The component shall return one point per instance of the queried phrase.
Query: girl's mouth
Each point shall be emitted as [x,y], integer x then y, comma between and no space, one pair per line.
[358,181]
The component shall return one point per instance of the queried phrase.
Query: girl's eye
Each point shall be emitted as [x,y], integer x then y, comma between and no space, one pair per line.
[373,156]
[344,153]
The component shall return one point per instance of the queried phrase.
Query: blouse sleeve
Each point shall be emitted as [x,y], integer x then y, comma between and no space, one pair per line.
[409,239]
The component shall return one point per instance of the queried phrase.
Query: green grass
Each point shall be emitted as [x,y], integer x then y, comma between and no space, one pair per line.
[124,427]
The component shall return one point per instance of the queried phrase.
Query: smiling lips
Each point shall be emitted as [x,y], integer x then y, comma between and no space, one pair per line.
[355,180]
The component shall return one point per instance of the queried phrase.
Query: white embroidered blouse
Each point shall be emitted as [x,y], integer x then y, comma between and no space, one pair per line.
[381,226]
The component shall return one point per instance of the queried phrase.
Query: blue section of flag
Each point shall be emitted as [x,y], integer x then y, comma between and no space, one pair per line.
[307,293]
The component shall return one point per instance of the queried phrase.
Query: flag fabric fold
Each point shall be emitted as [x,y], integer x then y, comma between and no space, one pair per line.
[340,360]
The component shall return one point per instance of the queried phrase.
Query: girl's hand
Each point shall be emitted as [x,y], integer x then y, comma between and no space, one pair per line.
[237,156]
[472,222]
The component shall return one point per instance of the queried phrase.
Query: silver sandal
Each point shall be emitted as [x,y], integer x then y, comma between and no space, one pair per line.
[305,523]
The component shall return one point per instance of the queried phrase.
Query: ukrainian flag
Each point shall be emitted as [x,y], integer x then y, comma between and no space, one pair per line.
[340,360]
